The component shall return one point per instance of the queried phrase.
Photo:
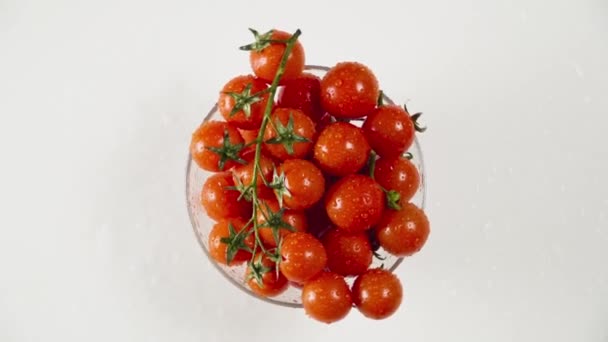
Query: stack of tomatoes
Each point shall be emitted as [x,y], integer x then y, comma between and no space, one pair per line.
[300,193]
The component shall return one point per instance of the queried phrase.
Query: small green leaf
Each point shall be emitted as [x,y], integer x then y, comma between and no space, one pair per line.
[228,151]
[380,101]
[378,256]
[244,100]
[278,185]
[392,199]
[371,164]
[408,156]
[275,221]
[286,135]
[235,242]
[258,270]
[260,43]
[419,127]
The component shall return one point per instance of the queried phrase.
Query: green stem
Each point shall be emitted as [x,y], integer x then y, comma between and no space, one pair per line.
[267,111]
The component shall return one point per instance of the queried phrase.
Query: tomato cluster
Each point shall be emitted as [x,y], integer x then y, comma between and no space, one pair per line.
[300,192]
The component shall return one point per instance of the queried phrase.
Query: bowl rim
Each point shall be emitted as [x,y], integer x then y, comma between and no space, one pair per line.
[271,300]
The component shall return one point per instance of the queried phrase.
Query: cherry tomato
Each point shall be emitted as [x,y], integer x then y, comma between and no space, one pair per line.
[403,232]
[265,62]
[303,93]
[220,201]
[341,149]
[304,184]
[327,298]
[240,90]
[292,133]
[355,203]
[243,175]
[219,250]
[377,293]
[269,219]
[347,254]
[303,257]
[209,150]
[389,131]
[398,174]
[349,90]
[263,278]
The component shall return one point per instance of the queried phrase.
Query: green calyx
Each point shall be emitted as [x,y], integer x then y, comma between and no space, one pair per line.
[257,270]
[380,101]
[244,100]
[228,151]
[246,191]
[392,199]
[286,135]
[235,242]
[279,187]
[261,41]
[274,221]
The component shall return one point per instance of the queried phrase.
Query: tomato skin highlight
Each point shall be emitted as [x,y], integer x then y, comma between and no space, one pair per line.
[341,149]
[389,131]
[398,174]
[403,232]
[377,293]
[265,63]
[226,102]
[355,203]
[211,134]
[327,298]
[221,202]
[217,249]
[349,90]
[272,284]
[303,257]
[347,254]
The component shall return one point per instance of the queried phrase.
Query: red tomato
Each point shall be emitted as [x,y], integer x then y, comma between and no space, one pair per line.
[377,293]
[219,250]
[303,93]
[269,219]
[327,298]
[303,257]
[341,149]
[249,136]
[293,135]
[349,90]
[355,203]
[209,150]
[303,182]
[239,91]
[219,201]
[263,278]
[243,175]
[265,62]
[398,174]
[403,232]
[347,254]
[389,131]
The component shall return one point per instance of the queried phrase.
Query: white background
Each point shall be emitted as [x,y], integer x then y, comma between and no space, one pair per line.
[98,100]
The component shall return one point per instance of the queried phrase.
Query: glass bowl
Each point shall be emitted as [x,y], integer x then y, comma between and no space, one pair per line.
[202,224]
